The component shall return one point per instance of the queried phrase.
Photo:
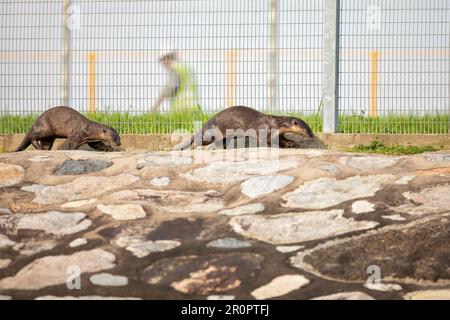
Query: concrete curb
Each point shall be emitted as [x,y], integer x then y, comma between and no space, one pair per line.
[161,142]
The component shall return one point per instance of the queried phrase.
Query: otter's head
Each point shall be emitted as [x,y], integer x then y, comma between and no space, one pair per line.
[295,125]
[109,136]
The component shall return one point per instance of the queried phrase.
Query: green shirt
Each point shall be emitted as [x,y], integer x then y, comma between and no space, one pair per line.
[182,91]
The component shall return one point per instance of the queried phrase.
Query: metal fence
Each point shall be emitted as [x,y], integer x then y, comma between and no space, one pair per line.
[394,66]
[102,58]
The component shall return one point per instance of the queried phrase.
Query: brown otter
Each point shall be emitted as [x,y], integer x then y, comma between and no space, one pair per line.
[240,121]
[65,122]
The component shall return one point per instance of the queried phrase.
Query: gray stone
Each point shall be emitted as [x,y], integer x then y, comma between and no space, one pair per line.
[108,280]
[228,243]
[329,167]
[32,188]
[353,295]
[160,181]
[82,188]
[292,228]
[280,286]
[259,186]
[368,162]
[438,157]
[34,247]
[123,211]
[429,200]
[53,270]
[78,204]
[141,248]
[288,249]
[437,294]
[10,174]
[54,222]
[326,192]
[383,286]
[362,206]
[5,211]
[4,263]
[75,167]
[5,242]
[226,172]
[39,158]
[394,217]
[404,180]
[78,242]
[172,160]
[314,153]
[173,201]
[245,209]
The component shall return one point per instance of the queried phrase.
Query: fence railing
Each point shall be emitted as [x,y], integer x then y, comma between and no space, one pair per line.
[345,66]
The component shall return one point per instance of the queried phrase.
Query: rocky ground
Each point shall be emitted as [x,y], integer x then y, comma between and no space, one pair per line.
[246,224]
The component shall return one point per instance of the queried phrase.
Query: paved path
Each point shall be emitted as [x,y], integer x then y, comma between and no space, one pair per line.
[247,224]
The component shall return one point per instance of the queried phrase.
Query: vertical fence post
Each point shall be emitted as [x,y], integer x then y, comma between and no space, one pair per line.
[273,67]
[373,83]
[331,66]
[91,58]
[66,55]
[231,77]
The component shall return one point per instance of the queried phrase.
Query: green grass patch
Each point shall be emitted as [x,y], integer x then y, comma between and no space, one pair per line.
[379,147]
[394,124]
[161,123]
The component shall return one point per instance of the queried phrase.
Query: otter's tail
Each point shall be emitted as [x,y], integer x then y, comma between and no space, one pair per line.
[185,145]
[25,143]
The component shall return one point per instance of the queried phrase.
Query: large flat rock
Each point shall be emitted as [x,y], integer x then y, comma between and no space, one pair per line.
[413,253]
[53,270]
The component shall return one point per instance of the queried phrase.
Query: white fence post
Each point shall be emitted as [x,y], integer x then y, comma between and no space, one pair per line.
[273,67]
[331,66]
[67,55]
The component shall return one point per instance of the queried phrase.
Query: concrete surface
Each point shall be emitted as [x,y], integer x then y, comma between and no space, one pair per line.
[235,224]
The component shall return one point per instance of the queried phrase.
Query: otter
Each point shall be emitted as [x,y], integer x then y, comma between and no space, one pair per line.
[65,122]
[241,121]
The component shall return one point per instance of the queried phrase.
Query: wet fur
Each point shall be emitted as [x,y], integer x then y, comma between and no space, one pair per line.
[65,122]
[245,118]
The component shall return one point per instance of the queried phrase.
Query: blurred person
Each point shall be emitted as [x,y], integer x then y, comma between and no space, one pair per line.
[181,89]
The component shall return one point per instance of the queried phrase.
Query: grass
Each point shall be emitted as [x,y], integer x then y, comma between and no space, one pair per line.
[378,147]
[426,124]
[127,123]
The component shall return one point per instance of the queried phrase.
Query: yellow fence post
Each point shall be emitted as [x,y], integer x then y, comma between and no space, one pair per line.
[373,83]
[231,77]
[91,82]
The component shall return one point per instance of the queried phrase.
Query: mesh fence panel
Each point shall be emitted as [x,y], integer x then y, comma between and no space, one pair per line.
[394,66]
[394,62]
[116,76]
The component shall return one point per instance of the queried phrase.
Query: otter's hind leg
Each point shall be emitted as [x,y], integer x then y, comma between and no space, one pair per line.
[70,144]
[38,143]
[47,143]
